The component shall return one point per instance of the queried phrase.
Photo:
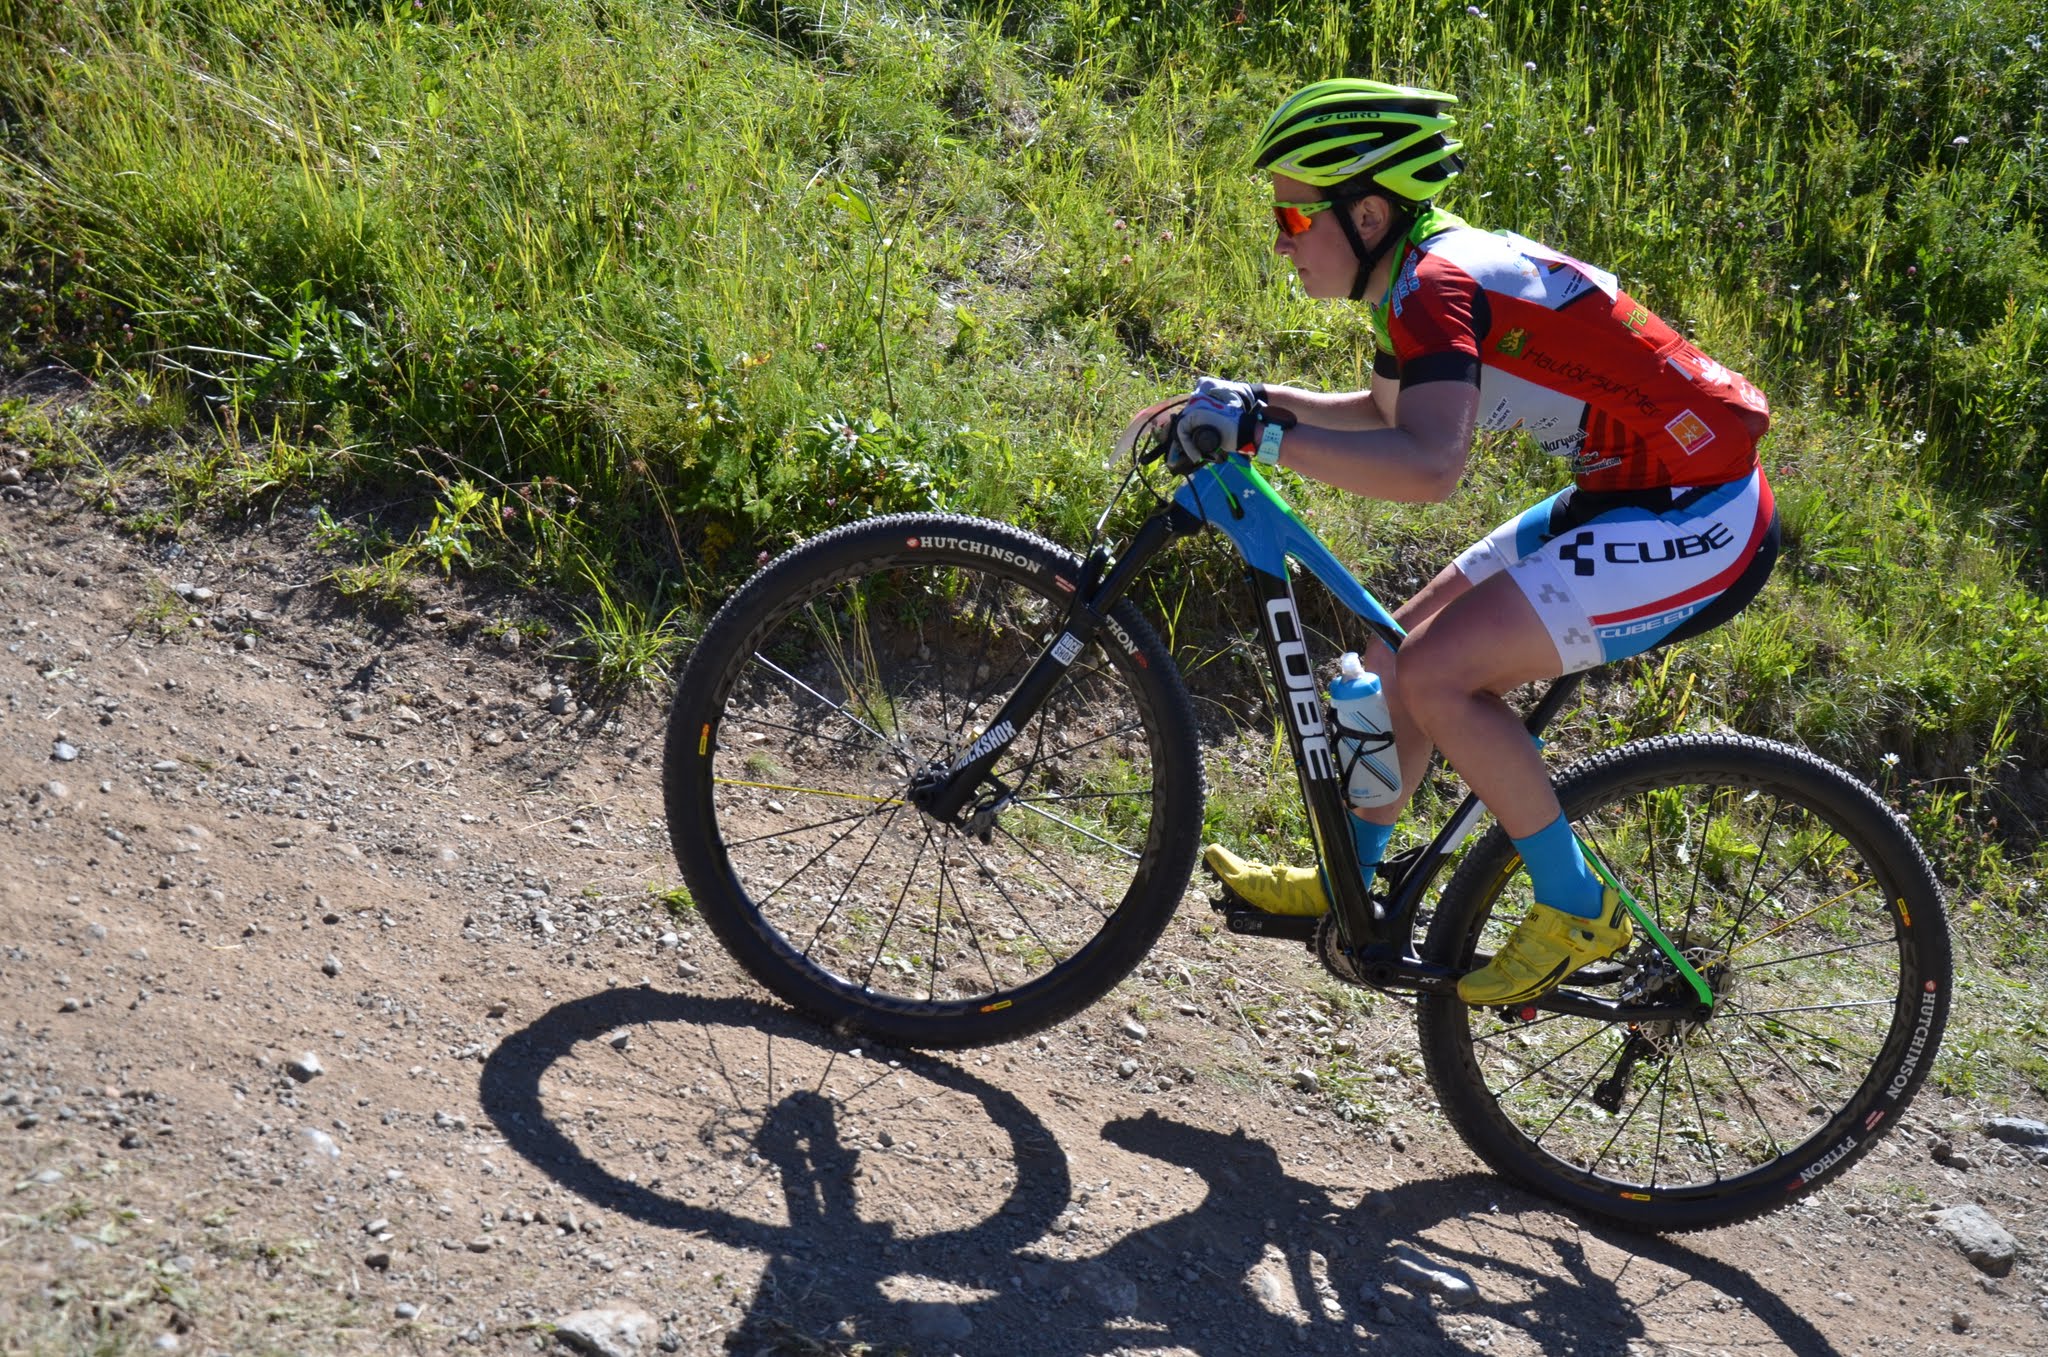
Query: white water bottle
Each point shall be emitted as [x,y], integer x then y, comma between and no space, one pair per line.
[1365,735]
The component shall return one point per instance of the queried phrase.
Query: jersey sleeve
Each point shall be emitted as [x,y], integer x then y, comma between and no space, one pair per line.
[1437,316]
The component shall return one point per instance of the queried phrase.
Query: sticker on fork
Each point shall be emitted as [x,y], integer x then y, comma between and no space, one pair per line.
[1067,647]
[998,736]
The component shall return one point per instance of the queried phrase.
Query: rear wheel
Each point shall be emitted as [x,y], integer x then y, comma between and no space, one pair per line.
[875,653]
[1813,916]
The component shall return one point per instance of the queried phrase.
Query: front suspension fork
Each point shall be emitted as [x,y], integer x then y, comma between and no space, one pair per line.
[944,790]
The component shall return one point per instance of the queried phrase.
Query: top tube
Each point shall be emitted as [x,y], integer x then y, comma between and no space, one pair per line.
[1232,497]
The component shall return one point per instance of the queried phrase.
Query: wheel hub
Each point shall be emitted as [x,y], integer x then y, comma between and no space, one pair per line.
[977,818]
[1659,981]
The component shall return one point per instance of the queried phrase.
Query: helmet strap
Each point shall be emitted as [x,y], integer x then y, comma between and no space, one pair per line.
[1368,256]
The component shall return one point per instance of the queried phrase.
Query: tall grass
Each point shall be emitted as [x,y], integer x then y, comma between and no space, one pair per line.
[676,283]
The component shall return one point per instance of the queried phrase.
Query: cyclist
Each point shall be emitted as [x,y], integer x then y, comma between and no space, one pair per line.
[1667,530]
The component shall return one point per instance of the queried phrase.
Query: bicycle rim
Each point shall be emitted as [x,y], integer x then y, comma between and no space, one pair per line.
[871,663]
[1815,920]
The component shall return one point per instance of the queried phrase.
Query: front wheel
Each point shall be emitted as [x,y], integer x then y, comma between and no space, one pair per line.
[880,652]
[1813,916]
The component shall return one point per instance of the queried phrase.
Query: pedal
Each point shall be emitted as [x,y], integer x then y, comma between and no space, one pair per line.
[1242,917]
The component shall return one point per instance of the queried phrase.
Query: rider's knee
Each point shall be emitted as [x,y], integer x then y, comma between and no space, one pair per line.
[1428,671]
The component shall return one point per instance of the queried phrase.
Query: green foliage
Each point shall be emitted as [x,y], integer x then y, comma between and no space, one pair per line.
[624,641]
[649,289]
[675,901]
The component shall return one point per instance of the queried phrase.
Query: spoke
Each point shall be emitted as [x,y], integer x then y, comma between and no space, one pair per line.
[1707,1135]
[1742,1091]
[1810,855]
[1830,1040]
[1053,871]
[1699,858]
[1068,751]
[1535,1070]
[931,984]
[1765,1040]
[1572,1101]
[830,705]
[803,731]
[896,910]
[1656,861]
[891,806]
[1084,833]
[1009,900]
[1748,896]
[803,867]
[851,877]
[1825,951]
[1056,797]
[1788,923]
[1821,1008]
[805,791]
[1626,1121]
[983,624]
[974,934]
[1663,1107]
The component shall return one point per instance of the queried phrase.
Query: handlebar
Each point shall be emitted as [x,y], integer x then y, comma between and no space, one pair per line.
[1207,440]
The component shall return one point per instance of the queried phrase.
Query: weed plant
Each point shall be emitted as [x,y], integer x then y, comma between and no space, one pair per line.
[627,296]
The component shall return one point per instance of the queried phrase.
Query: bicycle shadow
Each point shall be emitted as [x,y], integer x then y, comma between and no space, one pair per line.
[1259,1259]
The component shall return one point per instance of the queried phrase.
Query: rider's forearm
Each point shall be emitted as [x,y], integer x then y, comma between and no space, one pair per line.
[1342,410]
[1380,463]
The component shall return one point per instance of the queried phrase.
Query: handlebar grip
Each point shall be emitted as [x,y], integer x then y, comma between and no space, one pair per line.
[1206,441]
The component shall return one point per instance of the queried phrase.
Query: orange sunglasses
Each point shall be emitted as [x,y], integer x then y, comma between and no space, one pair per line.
[1294,218]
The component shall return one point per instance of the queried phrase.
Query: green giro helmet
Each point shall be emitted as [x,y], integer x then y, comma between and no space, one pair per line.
[1333,132]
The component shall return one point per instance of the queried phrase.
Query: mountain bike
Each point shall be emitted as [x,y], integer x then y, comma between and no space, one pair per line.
[936,779]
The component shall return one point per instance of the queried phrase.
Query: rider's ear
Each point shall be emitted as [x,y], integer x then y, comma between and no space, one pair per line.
[1375,214]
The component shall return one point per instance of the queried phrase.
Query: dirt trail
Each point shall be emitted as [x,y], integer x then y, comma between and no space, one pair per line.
[243,826]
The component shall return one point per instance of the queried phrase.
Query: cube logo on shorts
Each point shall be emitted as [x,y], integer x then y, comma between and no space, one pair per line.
[1691,432]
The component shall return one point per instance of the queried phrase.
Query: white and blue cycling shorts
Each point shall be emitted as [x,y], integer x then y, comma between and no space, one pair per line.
[1616,573]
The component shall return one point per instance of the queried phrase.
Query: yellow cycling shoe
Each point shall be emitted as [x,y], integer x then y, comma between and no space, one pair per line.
[1296,891]
[1545,948]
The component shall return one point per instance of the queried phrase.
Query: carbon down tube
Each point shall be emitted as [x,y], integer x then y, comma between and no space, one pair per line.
[1313,742]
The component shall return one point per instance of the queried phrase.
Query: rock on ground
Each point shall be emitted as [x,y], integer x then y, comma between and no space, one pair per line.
[607,1333]
[1982,1240]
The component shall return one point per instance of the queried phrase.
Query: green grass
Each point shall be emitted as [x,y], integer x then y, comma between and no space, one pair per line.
[632,294]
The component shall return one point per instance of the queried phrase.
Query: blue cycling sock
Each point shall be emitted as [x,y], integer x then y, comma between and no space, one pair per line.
[1372,841]
[1559,871]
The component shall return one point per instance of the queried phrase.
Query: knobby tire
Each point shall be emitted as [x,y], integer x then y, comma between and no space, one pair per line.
[1814,915]
[880,650]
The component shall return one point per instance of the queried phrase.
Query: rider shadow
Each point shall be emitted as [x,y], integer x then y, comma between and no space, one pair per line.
[1205,1280]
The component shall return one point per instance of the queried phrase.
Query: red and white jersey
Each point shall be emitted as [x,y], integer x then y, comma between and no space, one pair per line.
[1559,350]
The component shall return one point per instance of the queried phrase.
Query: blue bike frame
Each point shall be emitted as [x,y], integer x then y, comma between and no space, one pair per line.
[1236,500]
[1375,932]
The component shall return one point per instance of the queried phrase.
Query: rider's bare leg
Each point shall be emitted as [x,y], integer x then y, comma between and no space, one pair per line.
[1478,643]
[1410,743]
